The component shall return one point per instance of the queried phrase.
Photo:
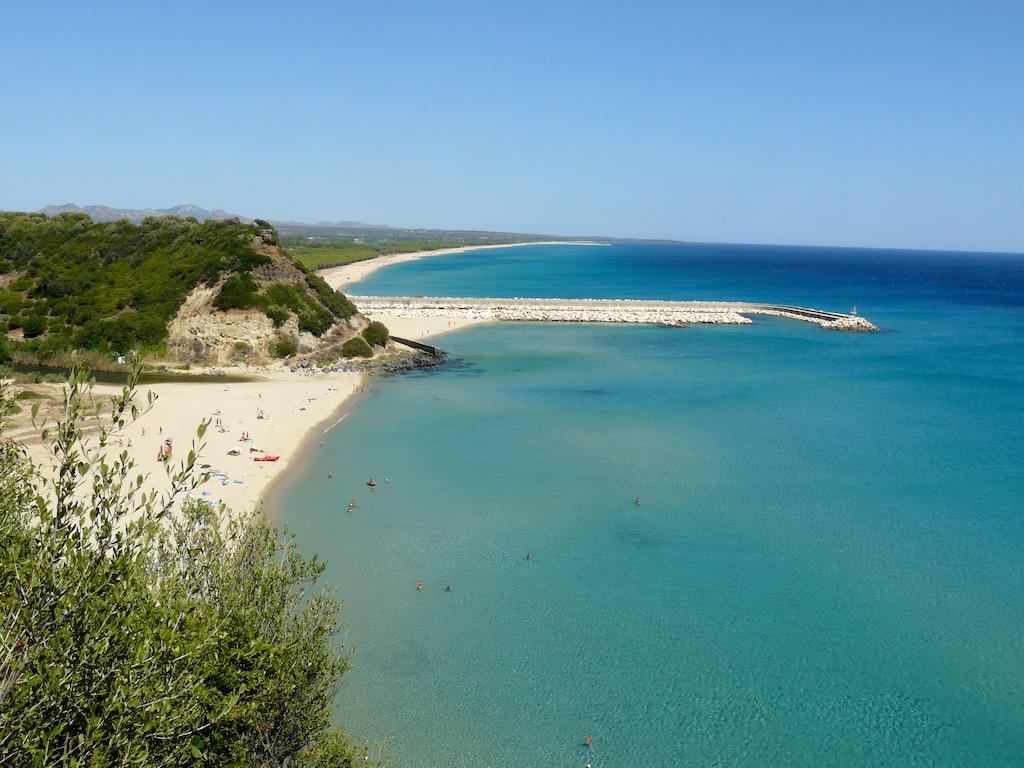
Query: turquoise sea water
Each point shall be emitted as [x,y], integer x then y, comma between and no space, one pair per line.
[827,567]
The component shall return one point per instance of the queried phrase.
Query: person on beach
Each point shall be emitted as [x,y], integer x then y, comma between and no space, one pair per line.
[164,453]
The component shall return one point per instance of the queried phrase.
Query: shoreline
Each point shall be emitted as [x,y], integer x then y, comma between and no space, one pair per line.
[342,276]
[412,327]
[273,495]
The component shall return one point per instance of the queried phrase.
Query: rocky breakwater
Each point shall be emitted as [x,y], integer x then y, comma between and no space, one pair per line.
[832,321]
[675,313]
[552,310]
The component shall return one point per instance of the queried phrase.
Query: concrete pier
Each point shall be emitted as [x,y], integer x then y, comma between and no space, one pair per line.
[676,313]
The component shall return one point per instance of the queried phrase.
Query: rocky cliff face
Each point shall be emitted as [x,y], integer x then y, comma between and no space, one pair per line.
[200,332]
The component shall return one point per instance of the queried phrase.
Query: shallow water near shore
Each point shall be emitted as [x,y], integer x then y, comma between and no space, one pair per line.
[827,566]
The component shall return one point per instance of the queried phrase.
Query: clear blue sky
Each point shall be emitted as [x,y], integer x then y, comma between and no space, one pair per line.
[849,123]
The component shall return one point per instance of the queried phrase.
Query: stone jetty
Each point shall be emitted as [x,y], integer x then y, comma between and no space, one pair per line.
[675,313]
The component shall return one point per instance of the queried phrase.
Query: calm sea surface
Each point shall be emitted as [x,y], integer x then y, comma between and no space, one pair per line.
[827,567]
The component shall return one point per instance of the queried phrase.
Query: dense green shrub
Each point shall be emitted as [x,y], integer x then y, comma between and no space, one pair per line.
[277,314]
[33,326]
[356,347]
[337,302]
[312,315]
[238,292]
[376,334]
[284,346]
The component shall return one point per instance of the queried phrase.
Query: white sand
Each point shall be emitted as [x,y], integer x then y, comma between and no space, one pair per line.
[296,407]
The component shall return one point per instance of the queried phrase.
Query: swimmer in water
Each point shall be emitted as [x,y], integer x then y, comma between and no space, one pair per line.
[588,740]
[351,505]
[529,556]
[448,588]
[419,585]
[637,501]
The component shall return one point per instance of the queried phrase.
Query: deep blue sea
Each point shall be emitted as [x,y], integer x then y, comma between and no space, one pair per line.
[827,566]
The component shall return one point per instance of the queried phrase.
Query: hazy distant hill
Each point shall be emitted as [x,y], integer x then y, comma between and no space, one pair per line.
[135,215]
[343,231]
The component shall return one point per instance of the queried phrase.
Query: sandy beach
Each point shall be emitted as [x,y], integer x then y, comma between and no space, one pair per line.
[295,408]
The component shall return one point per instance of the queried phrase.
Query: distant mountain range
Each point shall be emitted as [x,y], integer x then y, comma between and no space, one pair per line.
[323,230]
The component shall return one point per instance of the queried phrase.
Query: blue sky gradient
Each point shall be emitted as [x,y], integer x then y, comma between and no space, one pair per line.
[864,124]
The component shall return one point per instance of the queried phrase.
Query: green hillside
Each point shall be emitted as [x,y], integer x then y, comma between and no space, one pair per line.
[67,282]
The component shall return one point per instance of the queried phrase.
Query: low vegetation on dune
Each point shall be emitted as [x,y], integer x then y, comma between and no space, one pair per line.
[68,283]
[334,253]
[145,631]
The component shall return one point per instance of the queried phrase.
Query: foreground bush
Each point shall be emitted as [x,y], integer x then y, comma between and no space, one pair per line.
[376,334]
[133,636]
[284,346]
[356,347]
